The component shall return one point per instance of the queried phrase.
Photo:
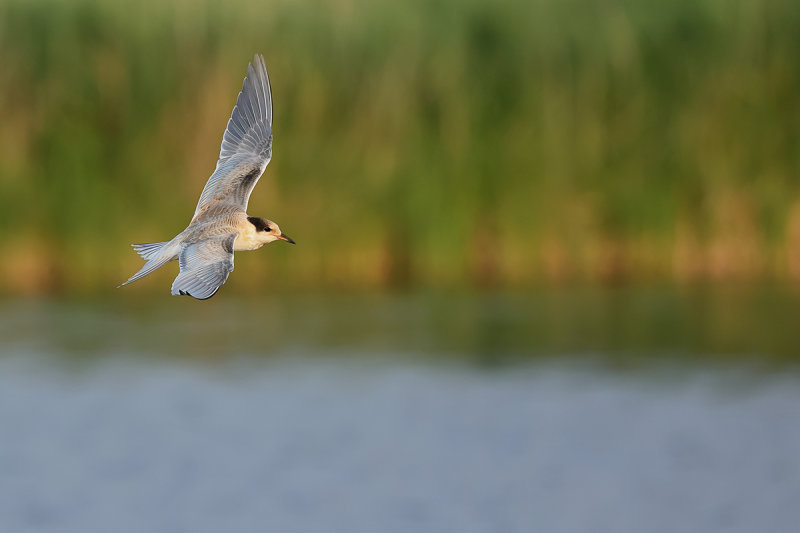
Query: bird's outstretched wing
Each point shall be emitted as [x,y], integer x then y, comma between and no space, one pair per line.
[246,144]
[205,266]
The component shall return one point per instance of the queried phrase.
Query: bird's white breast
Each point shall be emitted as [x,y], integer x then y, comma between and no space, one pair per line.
[248,239]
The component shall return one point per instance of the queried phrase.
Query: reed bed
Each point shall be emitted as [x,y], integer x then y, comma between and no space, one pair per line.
[437,143]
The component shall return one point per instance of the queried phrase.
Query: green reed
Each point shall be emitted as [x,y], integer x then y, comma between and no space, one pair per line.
[439,142]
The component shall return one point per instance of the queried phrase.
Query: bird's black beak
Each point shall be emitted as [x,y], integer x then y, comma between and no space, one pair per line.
[286,238]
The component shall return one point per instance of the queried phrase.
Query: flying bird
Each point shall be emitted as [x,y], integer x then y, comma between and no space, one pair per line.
[220,225]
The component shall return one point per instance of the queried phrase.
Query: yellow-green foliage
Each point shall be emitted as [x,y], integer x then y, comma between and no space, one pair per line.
[429,141]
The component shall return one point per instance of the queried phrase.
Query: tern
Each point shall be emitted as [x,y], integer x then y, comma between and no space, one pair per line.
[220,225]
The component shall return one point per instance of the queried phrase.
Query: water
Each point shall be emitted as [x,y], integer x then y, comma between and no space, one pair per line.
[354,414]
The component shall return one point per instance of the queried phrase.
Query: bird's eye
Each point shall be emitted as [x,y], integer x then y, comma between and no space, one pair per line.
[267,229]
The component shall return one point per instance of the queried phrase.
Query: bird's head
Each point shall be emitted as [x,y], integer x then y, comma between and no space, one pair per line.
[268,231]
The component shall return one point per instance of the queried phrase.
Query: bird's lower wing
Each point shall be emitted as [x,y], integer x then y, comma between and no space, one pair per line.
[205,266]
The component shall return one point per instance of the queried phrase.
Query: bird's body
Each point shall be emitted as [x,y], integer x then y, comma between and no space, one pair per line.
[220,225]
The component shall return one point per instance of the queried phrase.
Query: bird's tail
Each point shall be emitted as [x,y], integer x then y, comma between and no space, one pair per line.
[149,250]
[156,254]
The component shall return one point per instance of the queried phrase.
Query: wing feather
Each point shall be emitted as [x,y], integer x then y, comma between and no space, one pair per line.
[246,146]
[205,266]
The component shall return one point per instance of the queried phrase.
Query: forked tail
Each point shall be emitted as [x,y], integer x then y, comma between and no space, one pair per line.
[157,254]
[149,250]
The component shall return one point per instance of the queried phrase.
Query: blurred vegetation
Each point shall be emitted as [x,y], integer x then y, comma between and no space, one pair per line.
[435,142]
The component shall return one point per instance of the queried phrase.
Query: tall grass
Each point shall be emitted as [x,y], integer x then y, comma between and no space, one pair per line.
[442,142]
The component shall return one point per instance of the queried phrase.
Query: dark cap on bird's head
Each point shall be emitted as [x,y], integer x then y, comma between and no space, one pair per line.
[261,224]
